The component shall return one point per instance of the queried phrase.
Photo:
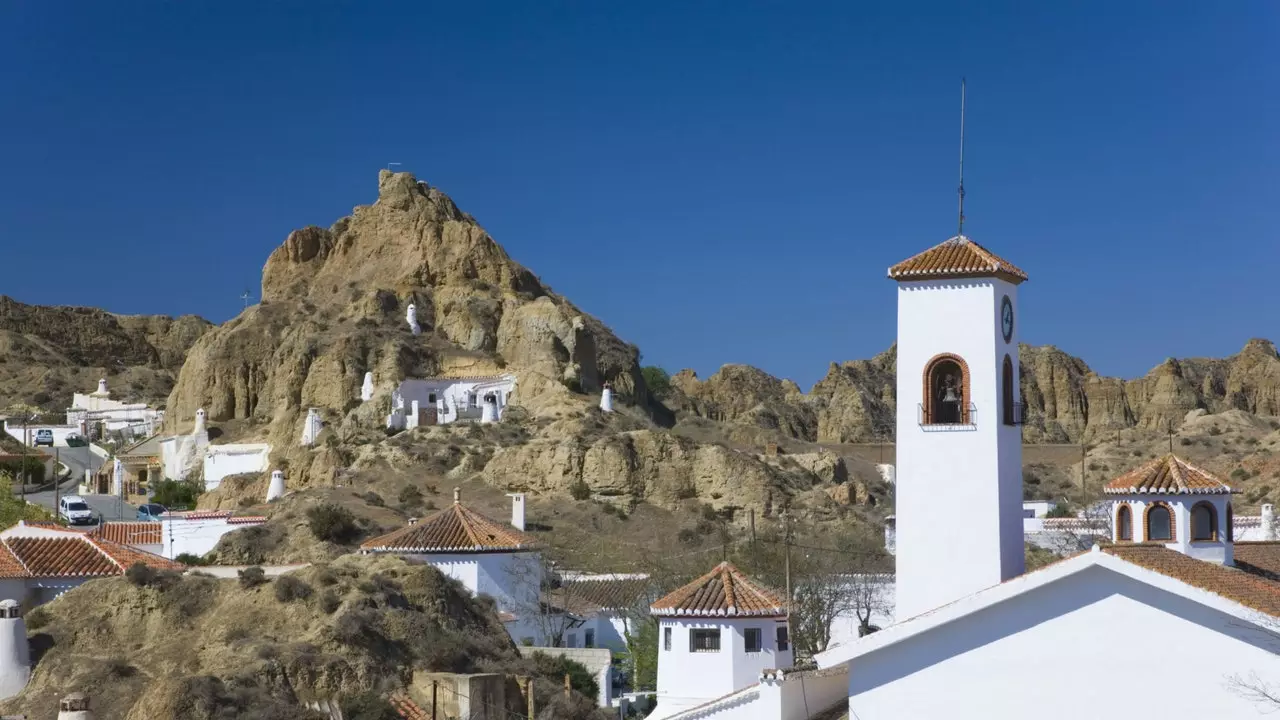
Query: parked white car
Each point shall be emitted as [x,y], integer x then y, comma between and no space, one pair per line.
[75,510]
[44,437]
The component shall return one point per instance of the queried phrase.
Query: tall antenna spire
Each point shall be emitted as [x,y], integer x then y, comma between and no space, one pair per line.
[960,232]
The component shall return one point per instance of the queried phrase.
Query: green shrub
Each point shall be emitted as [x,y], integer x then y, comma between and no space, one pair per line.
[252,577]
[332,523]
[289,588]
[368,706]
[687,535]
[657,380]
[329,602]
[1060,511]
[191,560]
[580,678]
[1239,474]
[34,466]
[174,494]
[38,618]
[1184,441]
[709,513]
[140,575]
[580,490]
[374,499]
[410,496]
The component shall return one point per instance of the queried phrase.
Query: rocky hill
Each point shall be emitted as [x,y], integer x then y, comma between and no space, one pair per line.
[1068,401]
[333,308]
[49,353]
[166,647]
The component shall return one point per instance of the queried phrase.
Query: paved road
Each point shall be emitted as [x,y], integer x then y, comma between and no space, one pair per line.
[77,460]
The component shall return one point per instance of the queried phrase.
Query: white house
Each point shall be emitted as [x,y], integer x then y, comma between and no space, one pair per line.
[221,461]
[487,557]
[190,533]
[95,414]
[605,605]
[443,400]
[716,636]
[41,561]
[1175,604]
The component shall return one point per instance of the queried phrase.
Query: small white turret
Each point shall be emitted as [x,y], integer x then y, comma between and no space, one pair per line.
[1268,522]
[276,487]
[15,656]
[489,409]
[366,390]
[311,428]
[411,316]
[102,389]
[517,510]
[606,399]
[201,420]
[75,707]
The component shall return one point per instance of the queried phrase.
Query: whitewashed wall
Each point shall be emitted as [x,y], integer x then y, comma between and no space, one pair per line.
[194,537]
[1095,644]
[687,678]
[223,460]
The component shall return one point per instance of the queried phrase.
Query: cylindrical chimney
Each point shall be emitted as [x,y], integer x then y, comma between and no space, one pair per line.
[276,488]
[15,656]
[75,707]
[1268,522]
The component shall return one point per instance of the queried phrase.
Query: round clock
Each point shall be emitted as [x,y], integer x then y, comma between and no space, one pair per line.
[1006,318]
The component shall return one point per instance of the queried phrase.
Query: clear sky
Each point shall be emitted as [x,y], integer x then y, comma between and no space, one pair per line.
[719,182]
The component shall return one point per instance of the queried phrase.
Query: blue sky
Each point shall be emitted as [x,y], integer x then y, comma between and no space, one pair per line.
[719,182]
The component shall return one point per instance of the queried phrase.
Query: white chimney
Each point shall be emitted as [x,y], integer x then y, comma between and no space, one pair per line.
[606,399]
[1268,522]
[311,427]
[489,409]
[891,534]
[366,390]
[200,422]
[75,707]
[15,655]
[457,495]
[517,510]
[276,488]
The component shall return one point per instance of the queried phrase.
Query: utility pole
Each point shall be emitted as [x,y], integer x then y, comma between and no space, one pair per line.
[56,459]
[1170,423]
[786,543]
[568,687]
[1084,497]
[26,438]
[528,689]
[435,685]
[751,521]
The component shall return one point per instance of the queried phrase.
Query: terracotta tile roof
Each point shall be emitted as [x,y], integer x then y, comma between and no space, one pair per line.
[61,557]
[1233,583]
[246,519]
[10,566]
[406,708]
[1168,475]
[606,593]
[957,257]
[723,592]
[199,514]
[74,554]
[1260,558]
[454,529]
[130,533]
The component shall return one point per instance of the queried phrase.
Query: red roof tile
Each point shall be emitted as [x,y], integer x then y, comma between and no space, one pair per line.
[126,556]
[406,708]
[10,566]
[246,520]
[130,533]
[1253,591]
[61,557]
[595,594]
[1168,475]
[723,592]
[454,529]
[957,257]
[1260,558]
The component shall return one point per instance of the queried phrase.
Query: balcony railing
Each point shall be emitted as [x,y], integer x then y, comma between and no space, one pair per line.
[1017,414]
[944,418]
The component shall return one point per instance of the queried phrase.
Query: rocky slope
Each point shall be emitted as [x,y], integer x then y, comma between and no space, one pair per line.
[197,648]
[333,307]
[49,353]
[1068,401]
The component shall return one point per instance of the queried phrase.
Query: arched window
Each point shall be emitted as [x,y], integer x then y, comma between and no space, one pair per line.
[1124,523]
[1231,524]
[946,391]
[1006,391]
[1204,522]
[1159,522]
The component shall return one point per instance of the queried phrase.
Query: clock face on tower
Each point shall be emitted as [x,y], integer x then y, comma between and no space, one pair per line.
[1006,318]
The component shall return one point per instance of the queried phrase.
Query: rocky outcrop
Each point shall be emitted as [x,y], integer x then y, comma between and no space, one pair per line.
[745,395]
[857,400]
[333,308]
[49,353]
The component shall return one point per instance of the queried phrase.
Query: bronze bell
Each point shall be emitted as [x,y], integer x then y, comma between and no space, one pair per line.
[950,395]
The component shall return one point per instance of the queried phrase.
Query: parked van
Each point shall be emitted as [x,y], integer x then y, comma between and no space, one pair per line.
[75,510]
[44,436]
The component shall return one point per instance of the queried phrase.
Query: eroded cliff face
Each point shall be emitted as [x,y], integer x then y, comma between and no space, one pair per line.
[856,401]
[47,353]
[333,308]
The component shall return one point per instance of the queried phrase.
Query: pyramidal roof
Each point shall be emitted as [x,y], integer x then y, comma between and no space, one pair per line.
[1168,475]
[454,529]
[723,592]
[956,257]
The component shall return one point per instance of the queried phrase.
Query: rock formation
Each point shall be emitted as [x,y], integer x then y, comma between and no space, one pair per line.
[334,305]
[49,353]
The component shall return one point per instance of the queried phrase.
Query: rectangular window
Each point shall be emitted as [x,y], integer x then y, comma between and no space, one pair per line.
[589,639]
[572,641]
[754,638]
[783,641]
[666,638]
[704,640]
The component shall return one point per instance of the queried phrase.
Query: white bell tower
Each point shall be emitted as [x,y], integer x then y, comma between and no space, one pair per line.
[959,438]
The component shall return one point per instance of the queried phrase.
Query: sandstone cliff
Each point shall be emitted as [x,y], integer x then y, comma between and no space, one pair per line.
[856,401]
[333,307]
[49,353]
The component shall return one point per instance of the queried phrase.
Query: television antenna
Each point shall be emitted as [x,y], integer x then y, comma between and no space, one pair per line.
[244,296]
[960,231]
